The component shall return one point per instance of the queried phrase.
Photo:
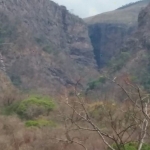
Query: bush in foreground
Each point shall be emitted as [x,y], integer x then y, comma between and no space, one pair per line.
[132,146]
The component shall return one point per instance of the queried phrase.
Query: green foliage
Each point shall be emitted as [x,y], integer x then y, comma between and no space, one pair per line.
[100,109]
[131,146]
[117,63]
[35,104]
[40,123]
[7,30]
[31,107]
[97,112]
[11,109]
[4,32]
[47,46]
[16,80]
[40,41]
[143,76]
[8,33]
[145,80]
[93,84]
[48,49]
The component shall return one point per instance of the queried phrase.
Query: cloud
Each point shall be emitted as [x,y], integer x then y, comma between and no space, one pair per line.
[86,8]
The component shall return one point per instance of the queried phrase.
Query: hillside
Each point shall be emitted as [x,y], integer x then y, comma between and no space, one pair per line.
[131,64]
[124,15]
[109,30]
[134,57]
[46,52]
[43,46]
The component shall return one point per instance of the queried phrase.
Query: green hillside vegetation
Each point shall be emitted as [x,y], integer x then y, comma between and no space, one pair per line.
[118,62]
[31,107]
[94,84]
[40,123]
[132,146]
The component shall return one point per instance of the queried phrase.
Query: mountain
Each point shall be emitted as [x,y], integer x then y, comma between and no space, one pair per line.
[43,47]
[108,31]
[135,53]
[131,64]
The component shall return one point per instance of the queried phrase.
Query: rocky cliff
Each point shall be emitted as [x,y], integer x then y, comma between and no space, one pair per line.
[133,59]
[42,45]
[108,31]
[139,62]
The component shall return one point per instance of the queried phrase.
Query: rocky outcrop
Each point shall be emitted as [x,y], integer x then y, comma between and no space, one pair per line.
[109,31]
[49,22]
[48,48]
[137,65]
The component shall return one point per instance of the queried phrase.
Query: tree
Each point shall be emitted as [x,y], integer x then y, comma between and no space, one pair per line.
[126,124]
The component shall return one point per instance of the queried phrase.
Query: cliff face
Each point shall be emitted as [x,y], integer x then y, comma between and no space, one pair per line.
[137,52]
[107,39]
[49,22]
[131,64]
[42,45]
[109,31]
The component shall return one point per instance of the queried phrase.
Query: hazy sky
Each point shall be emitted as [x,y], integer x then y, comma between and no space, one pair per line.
[85,8]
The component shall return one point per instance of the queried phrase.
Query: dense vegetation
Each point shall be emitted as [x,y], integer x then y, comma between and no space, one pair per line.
[37,104]
[118,62]
[68,122]
[132,146]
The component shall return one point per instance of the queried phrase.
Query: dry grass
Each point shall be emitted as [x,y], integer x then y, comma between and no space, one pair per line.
[15,136]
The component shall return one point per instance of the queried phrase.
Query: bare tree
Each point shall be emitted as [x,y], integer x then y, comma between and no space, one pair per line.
[126,123]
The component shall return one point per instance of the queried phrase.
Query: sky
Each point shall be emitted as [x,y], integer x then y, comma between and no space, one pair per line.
[86,8]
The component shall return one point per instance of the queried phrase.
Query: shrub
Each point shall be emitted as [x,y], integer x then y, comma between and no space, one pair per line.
[93,84]
[11,109]
[39,40]
[46,46]
[31,107]
[16,80]
[35,105]
[117,63]
[48,49]
[40,123]
[100,109]
[132,146]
